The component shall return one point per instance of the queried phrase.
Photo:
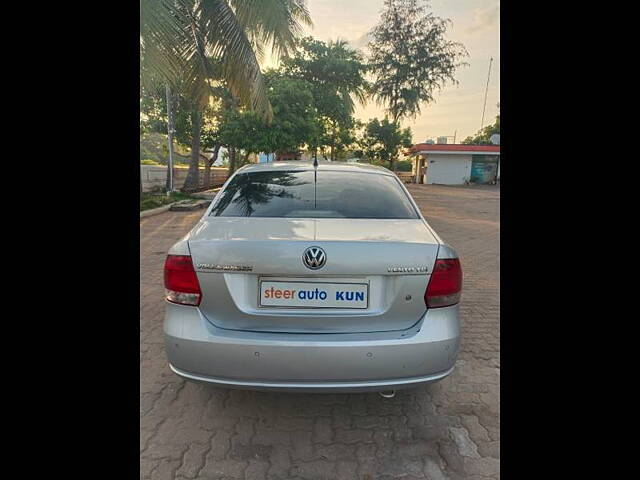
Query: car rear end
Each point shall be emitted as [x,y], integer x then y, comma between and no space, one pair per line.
[312,280]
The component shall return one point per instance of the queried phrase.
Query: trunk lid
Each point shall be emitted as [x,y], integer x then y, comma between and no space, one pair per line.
[360,251]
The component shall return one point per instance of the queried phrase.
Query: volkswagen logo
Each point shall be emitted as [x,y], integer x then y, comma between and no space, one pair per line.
[314,258]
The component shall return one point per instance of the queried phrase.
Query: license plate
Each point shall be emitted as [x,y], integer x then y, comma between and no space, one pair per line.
[313,294]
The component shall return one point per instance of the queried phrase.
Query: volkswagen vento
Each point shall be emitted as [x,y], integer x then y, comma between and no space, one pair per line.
[312,277]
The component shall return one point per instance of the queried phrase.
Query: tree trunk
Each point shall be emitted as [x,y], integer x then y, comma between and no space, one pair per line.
[232,160]
[192,182]
[207,167]
[207,174]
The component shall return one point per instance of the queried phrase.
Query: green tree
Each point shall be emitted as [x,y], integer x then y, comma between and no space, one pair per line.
[336,74]
[191,43]
[410,57]
[382,140]
[241,130]
[153,109]
[184,39]
[483,136]
[293,125]
[337,137]
[294,114]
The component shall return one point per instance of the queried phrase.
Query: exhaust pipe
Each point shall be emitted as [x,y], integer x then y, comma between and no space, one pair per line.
[388,394]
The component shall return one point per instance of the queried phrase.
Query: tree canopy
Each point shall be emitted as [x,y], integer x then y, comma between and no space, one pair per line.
[293,121]
[313,97]
[382,140]
[188,44]
[411,58]
[207,53]
[336,75]
[483,136]
[192,41]
[153,109]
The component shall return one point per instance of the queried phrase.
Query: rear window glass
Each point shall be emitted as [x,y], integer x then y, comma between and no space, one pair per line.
[295,194]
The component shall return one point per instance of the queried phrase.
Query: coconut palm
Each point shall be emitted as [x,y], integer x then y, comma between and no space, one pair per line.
[191,43]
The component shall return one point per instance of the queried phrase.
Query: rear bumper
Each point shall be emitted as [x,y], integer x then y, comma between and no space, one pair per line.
[318,387]
[199,351]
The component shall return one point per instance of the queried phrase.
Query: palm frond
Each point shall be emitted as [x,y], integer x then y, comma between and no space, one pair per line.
[159,40]
[276,23]
[191,42]
[227,41]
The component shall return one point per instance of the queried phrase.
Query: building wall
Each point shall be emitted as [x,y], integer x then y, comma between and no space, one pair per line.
[448,169]
[266,157]
[153,176]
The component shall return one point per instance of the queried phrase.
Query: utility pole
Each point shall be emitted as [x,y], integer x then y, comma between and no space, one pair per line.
[485,93]
[170,140]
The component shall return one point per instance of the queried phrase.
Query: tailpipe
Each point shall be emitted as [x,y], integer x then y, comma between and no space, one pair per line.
[388,394]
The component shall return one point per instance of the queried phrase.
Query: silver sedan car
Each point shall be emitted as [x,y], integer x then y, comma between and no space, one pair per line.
[307,277]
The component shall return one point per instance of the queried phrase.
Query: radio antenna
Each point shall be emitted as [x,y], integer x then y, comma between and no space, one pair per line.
[315,181]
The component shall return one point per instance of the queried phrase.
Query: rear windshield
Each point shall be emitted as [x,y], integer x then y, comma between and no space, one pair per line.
[296,194]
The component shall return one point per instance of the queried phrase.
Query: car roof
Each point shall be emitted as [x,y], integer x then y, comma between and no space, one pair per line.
[308,165]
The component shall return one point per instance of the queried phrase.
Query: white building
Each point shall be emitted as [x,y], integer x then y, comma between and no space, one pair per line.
[455,164]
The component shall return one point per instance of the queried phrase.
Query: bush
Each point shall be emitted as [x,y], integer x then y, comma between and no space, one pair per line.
[149,203]
[400,165]
[404,165]
[148,161]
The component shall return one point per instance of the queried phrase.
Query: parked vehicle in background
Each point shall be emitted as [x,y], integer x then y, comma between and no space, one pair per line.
[312,278]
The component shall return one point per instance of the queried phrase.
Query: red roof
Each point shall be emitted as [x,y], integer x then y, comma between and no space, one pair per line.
[444,147]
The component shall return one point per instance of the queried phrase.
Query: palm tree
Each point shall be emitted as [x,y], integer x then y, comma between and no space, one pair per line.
[192,43]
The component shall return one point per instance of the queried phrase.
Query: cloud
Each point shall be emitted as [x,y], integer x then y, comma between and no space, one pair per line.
[484,18]
[361,42]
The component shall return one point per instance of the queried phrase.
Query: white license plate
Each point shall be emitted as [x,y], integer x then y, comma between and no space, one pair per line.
[313,294]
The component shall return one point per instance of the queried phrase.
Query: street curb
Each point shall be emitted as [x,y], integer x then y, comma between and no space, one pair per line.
[207,196]
[165,208]
[156,211]
[189,206]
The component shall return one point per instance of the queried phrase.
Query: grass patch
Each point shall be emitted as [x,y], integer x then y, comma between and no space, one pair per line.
[155,200]
[148,161]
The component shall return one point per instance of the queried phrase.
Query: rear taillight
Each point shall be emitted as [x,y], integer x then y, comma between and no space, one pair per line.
[180,280]
[445,284]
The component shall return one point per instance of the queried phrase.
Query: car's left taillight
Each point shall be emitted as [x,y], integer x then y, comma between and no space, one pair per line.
[180,280]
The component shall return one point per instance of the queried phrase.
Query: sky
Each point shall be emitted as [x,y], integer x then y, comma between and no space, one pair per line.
[457,108]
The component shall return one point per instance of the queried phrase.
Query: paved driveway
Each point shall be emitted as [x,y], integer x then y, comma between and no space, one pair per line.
[447,430]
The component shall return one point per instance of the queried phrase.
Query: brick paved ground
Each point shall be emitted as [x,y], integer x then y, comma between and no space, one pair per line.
[447,430]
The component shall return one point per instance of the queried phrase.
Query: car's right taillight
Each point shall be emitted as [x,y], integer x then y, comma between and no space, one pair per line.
[180,280]
[445,284]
